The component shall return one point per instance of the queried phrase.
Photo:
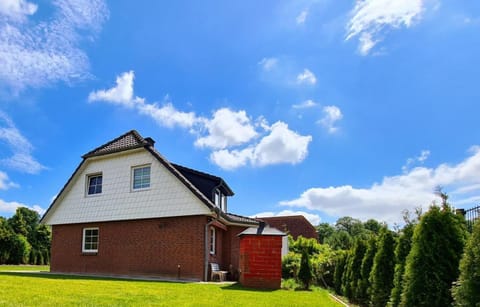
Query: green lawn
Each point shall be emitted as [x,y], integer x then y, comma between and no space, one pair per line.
[33,289]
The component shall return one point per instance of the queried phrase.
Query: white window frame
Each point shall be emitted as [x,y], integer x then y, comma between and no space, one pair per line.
[84,250]
[223,202]
[213,240]
[87,184]
[133,177]
[217,198]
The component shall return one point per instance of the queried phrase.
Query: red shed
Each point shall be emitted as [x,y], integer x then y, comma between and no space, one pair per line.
[260,257]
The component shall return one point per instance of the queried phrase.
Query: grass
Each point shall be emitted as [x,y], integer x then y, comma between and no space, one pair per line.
[37,289]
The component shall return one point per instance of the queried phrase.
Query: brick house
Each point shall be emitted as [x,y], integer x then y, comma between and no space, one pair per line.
[294,225]
[126,210]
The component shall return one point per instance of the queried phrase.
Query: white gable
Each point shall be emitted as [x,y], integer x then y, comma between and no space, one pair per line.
[166,197]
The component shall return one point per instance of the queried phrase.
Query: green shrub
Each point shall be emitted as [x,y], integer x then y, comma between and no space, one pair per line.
[432,264]
[466,291]
[20,250]
[305,273]
[363,285]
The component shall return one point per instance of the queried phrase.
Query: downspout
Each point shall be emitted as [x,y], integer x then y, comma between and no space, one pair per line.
[207,252]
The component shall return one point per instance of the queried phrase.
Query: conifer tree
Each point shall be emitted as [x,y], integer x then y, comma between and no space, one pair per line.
[353,270]
[381,276]
[340,264]
[305,272]
[433,261]
[367,263]
[401,253]
[466,291]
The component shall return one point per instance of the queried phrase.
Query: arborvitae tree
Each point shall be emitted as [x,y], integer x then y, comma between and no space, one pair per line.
[305,273]
[353,270]
[466,291]
[340,264]
[381,276]
[432,264]
[401,253]
[367,263]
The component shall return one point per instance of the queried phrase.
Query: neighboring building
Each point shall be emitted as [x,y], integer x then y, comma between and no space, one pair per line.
[126,210]
[294,225]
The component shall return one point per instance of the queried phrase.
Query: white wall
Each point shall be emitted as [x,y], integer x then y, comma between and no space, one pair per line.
[166,197]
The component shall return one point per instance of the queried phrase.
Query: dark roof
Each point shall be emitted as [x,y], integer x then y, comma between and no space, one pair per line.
[235,218]
[206,183]
[295,225]
[130,140]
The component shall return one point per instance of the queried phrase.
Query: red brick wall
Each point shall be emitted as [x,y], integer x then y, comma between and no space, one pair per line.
[231,251]
[261,261]
[152,246]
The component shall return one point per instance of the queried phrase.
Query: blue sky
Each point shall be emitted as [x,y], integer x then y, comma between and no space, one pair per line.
[323,108]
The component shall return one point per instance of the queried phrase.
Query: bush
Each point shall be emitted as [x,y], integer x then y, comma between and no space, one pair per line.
[20,250]
[290,265]
[466,291]
[432,264]
[381,276]
[305,273]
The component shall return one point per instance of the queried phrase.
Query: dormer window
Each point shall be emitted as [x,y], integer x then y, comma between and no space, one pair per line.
[220,200]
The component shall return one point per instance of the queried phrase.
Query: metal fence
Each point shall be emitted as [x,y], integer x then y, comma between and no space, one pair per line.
[472,215]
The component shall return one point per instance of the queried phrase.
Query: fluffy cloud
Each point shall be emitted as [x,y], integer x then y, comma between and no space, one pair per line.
[306,77]
[11,207]
[227,128]
[5,182]
[385,201]
[36,54]
[17,9]
[331,115]
[21,158]
[121,94]
[314,219]
[412,161]
[281,145]
[232,135]
[371,17]
[302,17]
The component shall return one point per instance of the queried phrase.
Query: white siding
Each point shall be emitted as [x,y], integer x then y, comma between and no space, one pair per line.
[167,196]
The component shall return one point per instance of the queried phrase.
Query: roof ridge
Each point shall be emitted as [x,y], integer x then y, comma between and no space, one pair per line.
[104,148]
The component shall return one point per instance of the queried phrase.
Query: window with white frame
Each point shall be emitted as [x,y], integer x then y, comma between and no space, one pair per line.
[212,240]
[90,240]
[141,177]
[218,196]
[94,184]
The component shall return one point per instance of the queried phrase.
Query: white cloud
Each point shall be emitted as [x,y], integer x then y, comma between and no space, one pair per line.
[314,219]
[22,158]
[17,9]
[281,145]
[11,207]
[302,17]
[424,154]
[331,115]
[39,53]
[121,94]
[5,182]
[227,128]
[371,17]
[230,134]
[306,77]
[305,105]
[268,64]
[386,200]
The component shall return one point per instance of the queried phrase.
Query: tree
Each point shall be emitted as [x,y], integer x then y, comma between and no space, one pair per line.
[6,235]
[401,253]
[305,273]
[353,227]
[373,226]
[466,291]
[20,250]
[352,273]
[367,263]
[340,239]
[381,276]
[340,264]
[324,230]
[432,264]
